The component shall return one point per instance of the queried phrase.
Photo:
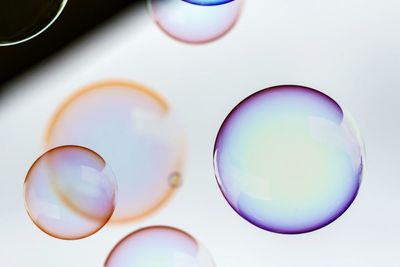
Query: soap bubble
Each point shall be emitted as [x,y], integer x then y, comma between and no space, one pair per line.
[70,192]
[23,20]
[135,131]
[159,246]
[194,23]
[288,159]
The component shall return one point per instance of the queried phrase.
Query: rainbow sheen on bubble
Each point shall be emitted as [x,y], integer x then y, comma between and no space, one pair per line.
[159,246]
[288,159]
[135,131]
[70,192]
[208,2]
[192,23]
[22,20]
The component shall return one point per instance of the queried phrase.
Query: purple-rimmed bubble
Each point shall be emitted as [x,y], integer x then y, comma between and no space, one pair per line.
[288,159]
[192,23]
[159,246]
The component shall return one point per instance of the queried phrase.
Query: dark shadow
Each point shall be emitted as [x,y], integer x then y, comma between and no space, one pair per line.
[78,18]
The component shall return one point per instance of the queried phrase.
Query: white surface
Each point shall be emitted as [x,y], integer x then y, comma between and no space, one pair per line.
[345,48]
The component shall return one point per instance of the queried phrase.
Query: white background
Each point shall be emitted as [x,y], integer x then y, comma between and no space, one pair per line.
[348,49]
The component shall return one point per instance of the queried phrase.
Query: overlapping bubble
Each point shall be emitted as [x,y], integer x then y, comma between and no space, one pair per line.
[135,131]
[289,159]
[159,246]
[23,20]
[70,192]
[192,23]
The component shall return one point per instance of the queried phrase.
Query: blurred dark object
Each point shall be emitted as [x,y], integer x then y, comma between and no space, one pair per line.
[78,18]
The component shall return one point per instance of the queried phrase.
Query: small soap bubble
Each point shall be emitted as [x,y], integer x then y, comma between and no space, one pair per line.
[192,23]
[159,246]
[134,130]
[289,159]
[70,192]
[21,21]
[175,180]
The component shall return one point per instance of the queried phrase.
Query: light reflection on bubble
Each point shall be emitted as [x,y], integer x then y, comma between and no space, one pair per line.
[208,2]
[194,23]
[289,159]
[70,192]
[159,246]
[134,130]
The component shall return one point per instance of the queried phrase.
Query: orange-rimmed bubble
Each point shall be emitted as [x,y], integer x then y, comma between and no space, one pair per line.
[70,192]
[132,127]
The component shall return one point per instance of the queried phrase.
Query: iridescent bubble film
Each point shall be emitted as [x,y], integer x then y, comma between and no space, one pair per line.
[21,20]
[288,159]
[159,246]
[194,23]
[134,130]
[70,192]
[208,2]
